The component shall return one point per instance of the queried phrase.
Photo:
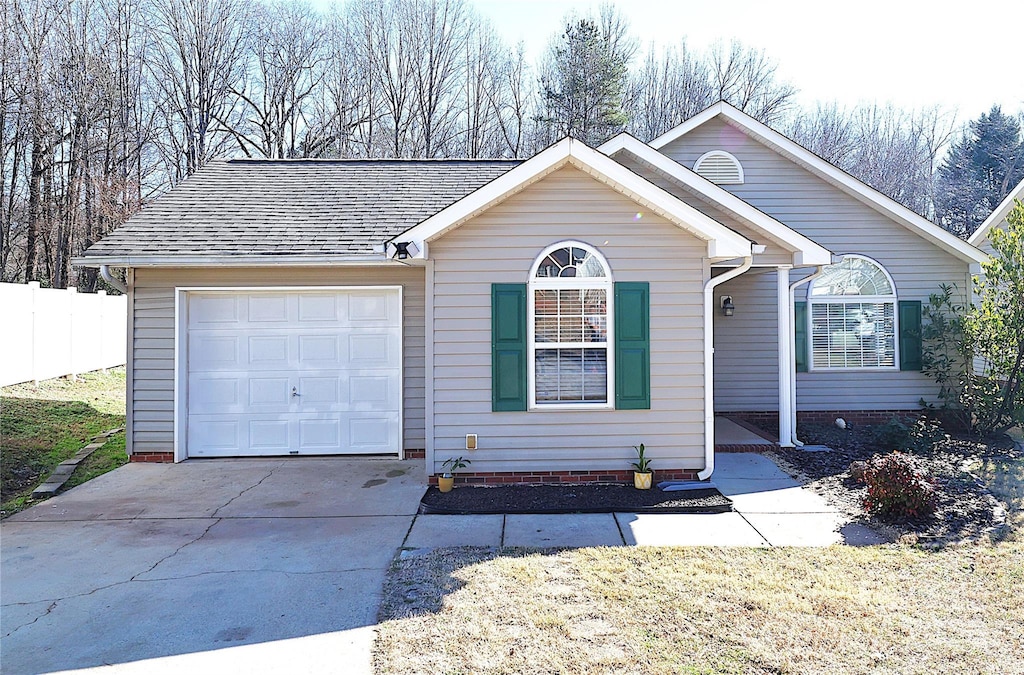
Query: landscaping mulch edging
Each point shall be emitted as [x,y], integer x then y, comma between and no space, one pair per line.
[965,511]
[590,498]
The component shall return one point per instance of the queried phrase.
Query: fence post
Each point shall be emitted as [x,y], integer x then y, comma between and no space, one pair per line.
[71,333]
[34,285]
[102,295]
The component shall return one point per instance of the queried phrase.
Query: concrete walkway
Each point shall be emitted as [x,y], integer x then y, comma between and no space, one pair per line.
[771,509]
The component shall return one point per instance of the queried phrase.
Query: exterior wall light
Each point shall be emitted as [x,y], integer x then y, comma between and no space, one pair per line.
[727,307]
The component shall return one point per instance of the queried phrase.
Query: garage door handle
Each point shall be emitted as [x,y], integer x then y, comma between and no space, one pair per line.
[295,393]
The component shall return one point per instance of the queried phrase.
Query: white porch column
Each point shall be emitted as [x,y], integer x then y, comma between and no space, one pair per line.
[786,356]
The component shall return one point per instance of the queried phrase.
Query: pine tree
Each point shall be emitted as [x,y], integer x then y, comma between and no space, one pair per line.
[979,171]
[585,81]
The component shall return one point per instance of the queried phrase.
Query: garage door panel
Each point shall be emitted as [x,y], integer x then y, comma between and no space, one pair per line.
[373,350]
[267,351]
[319,351]
[278,373]
[213,310]
[270,435]
[213,351]
[315,308]
[320,390]
[267,309]
[323,435]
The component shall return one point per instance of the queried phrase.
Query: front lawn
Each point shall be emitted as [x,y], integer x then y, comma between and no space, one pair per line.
[705,610]
[42,426]
[893,609]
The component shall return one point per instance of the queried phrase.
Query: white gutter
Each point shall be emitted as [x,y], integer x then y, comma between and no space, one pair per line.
[792,349]
[113,281]
[709,364]
[233,261]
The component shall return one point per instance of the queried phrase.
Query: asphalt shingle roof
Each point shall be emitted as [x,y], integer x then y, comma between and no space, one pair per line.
[295,207]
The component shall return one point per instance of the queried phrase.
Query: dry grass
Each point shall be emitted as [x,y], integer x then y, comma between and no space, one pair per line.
[674,610]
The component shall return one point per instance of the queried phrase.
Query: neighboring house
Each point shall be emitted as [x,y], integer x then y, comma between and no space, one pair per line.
[561,309]
[996,219]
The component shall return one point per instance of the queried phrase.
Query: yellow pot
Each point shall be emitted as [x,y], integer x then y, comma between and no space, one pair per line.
[642,481]
[445,483]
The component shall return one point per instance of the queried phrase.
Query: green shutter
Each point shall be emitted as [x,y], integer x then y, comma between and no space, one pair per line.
[910,335]
[508,347]
[632,346]
[800,335]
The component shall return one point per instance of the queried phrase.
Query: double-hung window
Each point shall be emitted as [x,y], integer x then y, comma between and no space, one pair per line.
[853,316]
[570,325]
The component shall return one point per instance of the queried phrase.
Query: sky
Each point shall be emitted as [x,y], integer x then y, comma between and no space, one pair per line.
[911,53]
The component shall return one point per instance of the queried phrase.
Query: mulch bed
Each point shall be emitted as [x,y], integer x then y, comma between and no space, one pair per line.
[590,498]
[966,509]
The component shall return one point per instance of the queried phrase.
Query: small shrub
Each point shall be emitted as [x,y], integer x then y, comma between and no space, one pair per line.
[917,436]
[924,434]
[896,489]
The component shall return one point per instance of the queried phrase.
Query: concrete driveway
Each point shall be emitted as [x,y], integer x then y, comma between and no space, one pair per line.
[210,565]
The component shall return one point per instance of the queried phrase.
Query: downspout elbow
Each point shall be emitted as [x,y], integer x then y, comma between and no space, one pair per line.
[112,280]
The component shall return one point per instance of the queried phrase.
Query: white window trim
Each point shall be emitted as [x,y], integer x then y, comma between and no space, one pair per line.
[851,299]
[720,153]
[538,283]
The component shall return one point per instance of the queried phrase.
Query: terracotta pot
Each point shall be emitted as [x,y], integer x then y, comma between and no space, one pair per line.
[642,481]
[445,483]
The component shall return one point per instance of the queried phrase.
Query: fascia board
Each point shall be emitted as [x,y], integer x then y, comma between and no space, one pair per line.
[810,252]
[998,215]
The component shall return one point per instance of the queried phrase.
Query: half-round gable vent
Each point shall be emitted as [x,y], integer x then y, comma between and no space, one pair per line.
[719,167]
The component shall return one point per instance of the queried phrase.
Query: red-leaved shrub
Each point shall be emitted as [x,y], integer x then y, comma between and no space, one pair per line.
[896,490]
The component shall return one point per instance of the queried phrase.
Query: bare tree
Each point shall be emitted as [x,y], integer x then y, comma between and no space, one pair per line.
[746,78]
[287,68]
[668,89]
[198,57]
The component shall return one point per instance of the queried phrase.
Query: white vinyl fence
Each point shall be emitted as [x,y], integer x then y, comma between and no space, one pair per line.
[46,332]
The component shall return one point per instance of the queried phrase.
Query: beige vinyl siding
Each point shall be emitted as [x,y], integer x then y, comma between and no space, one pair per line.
[774,253]
[153,338]
[824,213]
[746,352]
[500,246]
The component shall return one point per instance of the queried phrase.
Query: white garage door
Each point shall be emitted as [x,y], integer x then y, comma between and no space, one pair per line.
[294,373]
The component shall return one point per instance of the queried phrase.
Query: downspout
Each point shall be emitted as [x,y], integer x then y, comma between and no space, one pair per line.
[792,349]
[709,364]
[110,279]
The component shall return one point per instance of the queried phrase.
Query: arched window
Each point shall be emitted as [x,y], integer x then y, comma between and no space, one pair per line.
[720,167]
[853,316]
[570,327]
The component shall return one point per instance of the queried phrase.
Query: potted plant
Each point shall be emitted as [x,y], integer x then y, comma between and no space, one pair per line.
[446,480]
[642,474]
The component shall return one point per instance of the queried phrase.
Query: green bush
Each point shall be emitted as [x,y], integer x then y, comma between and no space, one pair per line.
[918,436]
[896,489]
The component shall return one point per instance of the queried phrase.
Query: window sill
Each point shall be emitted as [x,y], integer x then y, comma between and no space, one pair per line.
[560,407]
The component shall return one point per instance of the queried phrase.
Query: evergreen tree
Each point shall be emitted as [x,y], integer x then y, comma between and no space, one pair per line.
[979,172]
[585,79]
